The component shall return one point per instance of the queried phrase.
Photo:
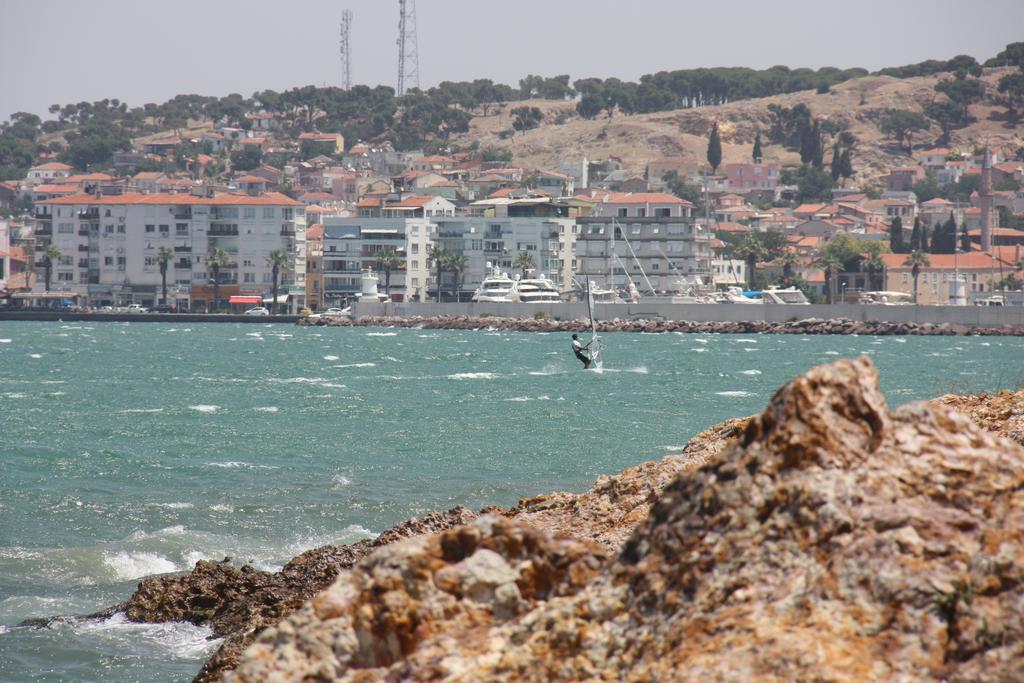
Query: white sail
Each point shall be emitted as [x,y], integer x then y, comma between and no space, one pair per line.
[596,359]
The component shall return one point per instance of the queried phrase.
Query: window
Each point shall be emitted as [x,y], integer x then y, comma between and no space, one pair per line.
[247,263]
[414,264]
[163,228]
[641,213]
[622,213]
[66,277]
[286,214]
[249,212]
[268,212]
[149,227]
[248,277]
[108,260]
[121,228]
[66,228]
[65,261]
[663,213]
[415,247]
[121,261]
[108,229]
[150,261]
[181,228]
[106,213]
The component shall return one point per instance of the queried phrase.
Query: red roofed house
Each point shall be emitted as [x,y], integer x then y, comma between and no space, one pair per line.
[163,148]
[408,207]
[45,173]
[979,270]
[321,143]
[638,204]
[253,184]
[902,179]
[763,176]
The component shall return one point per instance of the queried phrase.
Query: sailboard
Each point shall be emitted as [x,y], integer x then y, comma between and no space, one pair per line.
[596,355]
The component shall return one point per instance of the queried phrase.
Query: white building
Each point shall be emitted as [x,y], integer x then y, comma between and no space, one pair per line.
[109,246]
[354,244]
[5,253]
[47,173]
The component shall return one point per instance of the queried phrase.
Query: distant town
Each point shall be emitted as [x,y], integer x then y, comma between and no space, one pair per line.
[254,204]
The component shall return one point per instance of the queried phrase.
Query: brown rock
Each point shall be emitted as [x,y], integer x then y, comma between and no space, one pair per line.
[837,540]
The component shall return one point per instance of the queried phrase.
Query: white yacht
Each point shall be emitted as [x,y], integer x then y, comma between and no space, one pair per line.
[789,295]
[734,295]
[535,290]
[495,288]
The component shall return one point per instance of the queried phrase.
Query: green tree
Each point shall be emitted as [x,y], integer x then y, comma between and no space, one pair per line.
[278,262]
[246,158]
[525,118]
[789,261]
[927,188]
[944,241]
[896,235]
[436,257]
[965,240]
[456,264]
[1012,86]
[216,259]
[50,254]
[872,263]
[757,148]
[812,184]
[831,266]
[714,148]
[917,260]
[901,125]
[751,250]
[388,260]
[163,258]
[915,235]
[524,262]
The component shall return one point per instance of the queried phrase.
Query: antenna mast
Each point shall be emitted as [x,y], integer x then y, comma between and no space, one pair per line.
[346,54]
[408,51]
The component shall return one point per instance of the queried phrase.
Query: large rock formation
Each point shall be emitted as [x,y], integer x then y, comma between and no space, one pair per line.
[836,540]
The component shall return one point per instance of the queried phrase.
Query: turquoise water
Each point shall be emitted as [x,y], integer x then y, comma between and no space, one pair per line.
[136,449]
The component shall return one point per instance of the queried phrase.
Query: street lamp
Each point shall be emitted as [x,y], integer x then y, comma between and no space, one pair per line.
[842,295]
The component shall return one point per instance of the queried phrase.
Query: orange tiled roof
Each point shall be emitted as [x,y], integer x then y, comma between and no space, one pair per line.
[52,166]
[315,232]
[975,260]
[268,199]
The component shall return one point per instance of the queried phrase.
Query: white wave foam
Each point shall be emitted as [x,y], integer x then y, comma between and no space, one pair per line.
[204,408]
[699,340]
[6,341]
[172,506]
[831,353]
[35,355]
[181,640]
[299,380]
[700,350]
[330,358]
[745,341]
[548,370]
[221,507]
[266,409]
[340,481]
[518,399]
[238,464]
[142,410]
[639,370]
[381,334]
[734,394]
[392,359]
[127,566]
[331,386]
[3,629]
[253,334]
[16,394]
[472,375]
[355,365]
[750,372]
[53,381]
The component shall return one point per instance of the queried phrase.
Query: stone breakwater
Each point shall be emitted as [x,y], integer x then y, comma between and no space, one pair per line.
[832,539]
[563,546]
[807,326]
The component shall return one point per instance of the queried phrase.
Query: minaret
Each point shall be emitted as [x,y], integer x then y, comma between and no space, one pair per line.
[985,195]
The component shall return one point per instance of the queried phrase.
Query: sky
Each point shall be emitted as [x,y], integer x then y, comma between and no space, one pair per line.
[65,51]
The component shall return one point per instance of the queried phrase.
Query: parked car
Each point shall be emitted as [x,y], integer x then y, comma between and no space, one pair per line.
[163,308]
[258,310]
[136,308]
[335,312]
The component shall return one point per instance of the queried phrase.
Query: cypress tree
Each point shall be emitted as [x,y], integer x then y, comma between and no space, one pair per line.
[845,164]
[926,234]
[714,148]
[836,158]
[915,235]
[757,148]
[818,156]
[896,235]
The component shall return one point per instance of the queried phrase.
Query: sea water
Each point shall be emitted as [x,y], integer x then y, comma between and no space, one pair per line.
[136,449]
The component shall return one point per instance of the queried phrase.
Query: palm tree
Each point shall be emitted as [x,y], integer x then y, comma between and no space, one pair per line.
[278,262]
[524,262]
[216,259]
[50,254]
[388,260]
[831,265]
[789,261]
[436,256]
[872,263]
[163,257]
[750,250]
[456,263]
[917,259]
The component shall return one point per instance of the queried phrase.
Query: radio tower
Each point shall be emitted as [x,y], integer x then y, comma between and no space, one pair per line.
[346,55]
[408,53]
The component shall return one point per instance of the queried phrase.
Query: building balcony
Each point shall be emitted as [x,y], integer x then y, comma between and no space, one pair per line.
[83,247]
[183,250]
[83,232]
[222,230]
[43,215]
[44,230]
[83,263]
[89,215]
[183,214]
[183,265]
[287,232]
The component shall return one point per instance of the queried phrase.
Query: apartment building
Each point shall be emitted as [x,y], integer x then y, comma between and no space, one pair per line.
[351,245]
[109,246]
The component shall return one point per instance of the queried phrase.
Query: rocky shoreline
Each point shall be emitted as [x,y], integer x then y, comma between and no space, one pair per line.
[807,326]
[501,569]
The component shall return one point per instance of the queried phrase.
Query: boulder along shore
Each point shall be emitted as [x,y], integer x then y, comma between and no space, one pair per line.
[826,538]
[807,326]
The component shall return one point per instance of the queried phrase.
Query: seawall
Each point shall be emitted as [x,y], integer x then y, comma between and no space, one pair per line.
[67,316]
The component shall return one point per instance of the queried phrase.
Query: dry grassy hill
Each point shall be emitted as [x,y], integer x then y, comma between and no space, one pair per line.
[641,137]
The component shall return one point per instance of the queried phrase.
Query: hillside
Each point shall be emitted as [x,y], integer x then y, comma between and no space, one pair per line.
[638,138]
